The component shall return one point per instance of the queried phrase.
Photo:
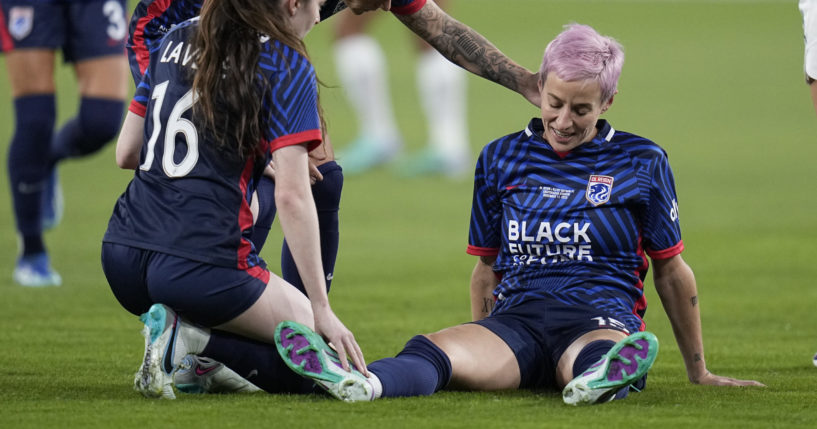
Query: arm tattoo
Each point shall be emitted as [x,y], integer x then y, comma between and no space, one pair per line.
[697,357]
[694,300]
[465,47]
[487,305]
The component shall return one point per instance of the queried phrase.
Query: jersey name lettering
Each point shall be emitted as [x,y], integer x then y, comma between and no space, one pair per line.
[174,54]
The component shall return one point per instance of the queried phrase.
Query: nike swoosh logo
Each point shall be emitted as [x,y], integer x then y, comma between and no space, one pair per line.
[252,374]
[508,188]
[203,371]
[168,361]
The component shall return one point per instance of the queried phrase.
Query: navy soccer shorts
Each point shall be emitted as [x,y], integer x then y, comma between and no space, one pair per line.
[206,294]
[83,29]
[539,330]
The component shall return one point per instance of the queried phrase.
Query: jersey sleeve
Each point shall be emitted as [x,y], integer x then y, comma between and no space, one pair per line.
[662,230]
[485,232]
[406,7]
[141,96]
[293,100]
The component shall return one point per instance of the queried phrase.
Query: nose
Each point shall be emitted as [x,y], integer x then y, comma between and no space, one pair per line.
[563,119]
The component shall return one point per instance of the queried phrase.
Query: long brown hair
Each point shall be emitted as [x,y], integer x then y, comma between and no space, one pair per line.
[227,81]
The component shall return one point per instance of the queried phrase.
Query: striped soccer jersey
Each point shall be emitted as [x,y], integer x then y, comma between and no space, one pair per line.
[188,197]
[575,228]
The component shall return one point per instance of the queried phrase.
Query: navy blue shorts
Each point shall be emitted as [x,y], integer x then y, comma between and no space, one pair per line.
[83,29]
[203,293]
[539,330]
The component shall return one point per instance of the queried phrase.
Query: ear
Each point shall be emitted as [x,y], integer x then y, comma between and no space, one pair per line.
[608,103]
[292,6]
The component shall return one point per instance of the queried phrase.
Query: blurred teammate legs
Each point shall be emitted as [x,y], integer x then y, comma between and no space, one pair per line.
[362,70]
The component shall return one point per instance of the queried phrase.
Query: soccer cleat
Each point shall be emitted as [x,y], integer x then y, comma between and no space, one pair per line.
[35,271]
[306,353]
[366,153]
[624,364]
[198,374]
[167,341]
[53,202]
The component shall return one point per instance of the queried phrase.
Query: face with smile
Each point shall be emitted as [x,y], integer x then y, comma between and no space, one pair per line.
[570,110]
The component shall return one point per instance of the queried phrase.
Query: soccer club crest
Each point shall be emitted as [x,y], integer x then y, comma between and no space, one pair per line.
[599,189]
[21,21]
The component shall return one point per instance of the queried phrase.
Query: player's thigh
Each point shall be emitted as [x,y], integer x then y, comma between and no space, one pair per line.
[103,77]
[280,301]
[480,360]
[31,71]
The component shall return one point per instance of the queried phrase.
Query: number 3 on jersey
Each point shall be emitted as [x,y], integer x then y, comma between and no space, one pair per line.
[175,125]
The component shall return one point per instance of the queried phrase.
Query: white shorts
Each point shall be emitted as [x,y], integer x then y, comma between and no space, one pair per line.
[809,10]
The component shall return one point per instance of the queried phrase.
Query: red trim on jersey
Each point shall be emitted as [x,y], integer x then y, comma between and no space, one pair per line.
[141,53]
[482,251]
[408,9]
[562,155]
[137,108]
[667,253]
[245,220]
[259,273]
[312,138]
[6,42]
[641,302]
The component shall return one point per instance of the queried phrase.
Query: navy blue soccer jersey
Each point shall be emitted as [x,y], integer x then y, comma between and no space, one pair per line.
[189,197]
[575,227]
[152,19]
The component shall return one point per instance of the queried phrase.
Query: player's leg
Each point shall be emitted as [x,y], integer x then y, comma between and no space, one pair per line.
[442,89]
[813,86]
[466,357]
[30,38]
[361,67]
[602,364]
[98,30]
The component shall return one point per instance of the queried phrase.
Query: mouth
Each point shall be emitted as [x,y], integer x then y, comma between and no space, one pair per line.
[561,136]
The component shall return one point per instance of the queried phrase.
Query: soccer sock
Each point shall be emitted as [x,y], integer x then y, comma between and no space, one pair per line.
[96,123]
[327,200]
[257,362]
[28,165]
[591,354]
[421,368]
[442,90]
[266,212]
[361,67]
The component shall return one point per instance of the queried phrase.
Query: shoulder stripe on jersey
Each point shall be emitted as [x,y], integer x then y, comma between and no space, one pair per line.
[142,54]
[6,42]
[408,9]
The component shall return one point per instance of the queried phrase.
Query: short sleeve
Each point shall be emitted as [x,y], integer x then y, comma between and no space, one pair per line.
[406,7]
[485,232]
[661,226]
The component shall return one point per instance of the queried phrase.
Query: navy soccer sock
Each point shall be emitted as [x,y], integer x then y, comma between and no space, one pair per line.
[28,165]
[256,361]
[96,123]
[266,212]
[327,200]
[591,354]
[421,368]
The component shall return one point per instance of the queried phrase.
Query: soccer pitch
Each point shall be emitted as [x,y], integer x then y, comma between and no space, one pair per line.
[718,84]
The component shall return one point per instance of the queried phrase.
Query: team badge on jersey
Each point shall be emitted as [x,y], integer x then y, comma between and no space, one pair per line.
[599,189]
[21,21]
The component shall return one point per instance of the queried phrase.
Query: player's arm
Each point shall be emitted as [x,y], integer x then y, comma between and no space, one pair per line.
[483,283]
[470,50]
[676,287]
[129,143]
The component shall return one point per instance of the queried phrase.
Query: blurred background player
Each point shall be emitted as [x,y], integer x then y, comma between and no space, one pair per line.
[809,10]
[362,70]
[91,35]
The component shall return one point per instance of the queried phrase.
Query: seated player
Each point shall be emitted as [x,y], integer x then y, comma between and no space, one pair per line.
[564,215]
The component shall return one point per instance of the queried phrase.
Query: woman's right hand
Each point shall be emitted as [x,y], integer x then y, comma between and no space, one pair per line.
[341,339]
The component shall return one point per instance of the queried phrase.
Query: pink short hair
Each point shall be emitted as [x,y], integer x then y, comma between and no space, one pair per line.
[579,53]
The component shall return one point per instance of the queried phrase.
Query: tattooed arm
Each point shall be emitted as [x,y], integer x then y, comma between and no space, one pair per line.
[468,49]
[676,287]
[483,283]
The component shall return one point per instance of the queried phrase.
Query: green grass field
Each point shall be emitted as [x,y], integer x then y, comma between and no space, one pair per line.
[718,84]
